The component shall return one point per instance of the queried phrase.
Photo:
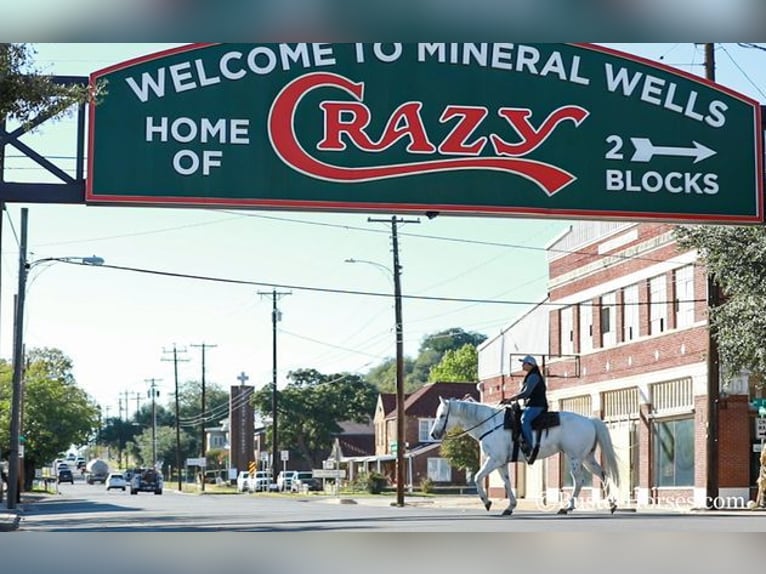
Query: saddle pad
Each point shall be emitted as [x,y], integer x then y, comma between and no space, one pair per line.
[546,420]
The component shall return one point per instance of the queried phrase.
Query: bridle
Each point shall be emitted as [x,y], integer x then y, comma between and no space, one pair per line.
[477,425]
[446,419]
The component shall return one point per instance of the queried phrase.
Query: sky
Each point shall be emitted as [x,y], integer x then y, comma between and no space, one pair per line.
[119,327]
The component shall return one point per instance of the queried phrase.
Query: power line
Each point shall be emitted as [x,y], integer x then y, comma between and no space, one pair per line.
[335,291]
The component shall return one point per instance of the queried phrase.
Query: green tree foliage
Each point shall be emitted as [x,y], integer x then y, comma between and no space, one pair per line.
[417,371]
[383,376]
[457,365]
[736,257]
[312,405]
[26,93]
[190,405]
[460,450]
[433,348]
[166,447]
[454,338]
[57,413]
[117,433]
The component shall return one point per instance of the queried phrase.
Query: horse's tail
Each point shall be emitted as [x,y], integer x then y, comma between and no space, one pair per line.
[604,441]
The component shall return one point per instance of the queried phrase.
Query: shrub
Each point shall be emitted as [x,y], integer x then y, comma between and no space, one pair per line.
[426,485]
[374,482]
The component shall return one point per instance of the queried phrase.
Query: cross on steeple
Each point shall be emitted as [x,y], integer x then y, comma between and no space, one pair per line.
[242,378]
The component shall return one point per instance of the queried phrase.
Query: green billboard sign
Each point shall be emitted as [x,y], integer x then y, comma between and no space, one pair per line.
[566,130]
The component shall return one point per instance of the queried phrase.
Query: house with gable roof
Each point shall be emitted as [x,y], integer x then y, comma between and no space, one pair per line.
[422,454]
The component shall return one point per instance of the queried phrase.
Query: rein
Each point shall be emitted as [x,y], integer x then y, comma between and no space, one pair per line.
[477,425]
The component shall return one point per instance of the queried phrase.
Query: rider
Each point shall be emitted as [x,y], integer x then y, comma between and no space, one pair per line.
[533,390]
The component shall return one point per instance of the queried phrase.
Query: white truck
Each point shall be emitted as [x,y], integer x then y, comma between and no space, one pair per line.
[96,471]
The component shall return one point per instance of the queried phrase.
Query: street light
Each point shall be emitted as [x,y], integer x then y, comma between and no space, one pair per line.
[389,273]
[400,433]
[18,352]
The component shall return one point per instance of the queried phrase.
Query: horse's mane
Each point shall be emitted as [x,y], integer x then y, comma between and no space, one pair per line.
[472,407]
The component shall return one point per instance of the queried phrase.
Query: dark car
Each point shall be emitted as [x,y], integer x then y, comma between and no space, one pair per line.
[304,481]
[65,475]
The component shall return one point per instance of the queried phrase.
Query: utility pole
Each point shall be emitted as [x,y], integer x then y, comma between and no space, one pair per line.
[276,316]
[137,396]
[119,427]
[400,434]
[203,414]
[14,486]
[713,358]
[153,393]
[175,360]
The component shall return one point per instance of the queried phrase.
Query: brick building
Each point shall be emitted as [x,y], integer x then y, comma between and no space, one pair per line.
[623,335]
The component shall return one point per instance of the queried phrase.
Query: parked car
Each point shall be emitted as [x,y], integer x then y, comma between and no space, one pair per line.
[260,481]
[65,475]
[284,479]
[304,481]
[242,479]
[116,480]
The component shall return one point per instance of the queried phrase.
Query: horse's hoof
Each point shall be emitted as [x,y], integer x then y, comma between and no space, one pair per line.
[563,511]
[488,505]
[507,512]
[612,508]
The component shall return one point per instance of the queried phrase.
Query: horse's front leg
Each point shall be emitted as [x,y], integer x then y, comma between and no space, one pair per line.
[503,472]
[487,467]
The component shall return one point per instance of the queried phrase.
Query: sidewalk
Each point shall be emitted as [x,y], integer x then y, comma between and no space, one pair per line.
[10,519]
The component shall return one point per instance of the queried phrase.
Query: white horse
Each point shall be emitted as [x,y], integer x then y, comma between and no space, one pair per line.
[576,436]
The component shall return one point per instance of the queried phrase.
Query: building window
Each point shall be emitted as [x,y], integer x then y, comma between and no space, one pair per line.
[674,453]
[586,328]
[630,313]
[608,326]
[658,305]
[684,303]
[567,332]
[439,470]
[424,428]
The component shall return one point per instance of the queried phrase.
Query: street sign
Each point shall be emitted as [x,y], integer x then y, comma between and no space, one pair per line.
[284,455]
[561,130]
[760,428]
[201,461]
[325,473]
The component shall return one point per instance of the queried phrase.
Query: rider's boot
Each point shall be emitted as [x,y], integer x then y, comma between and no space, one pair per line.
[533,455]
[526,451]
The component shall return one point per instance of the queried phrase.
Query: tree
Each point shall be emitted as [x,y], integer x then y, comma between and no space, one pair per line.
[312,405]
[433,348]
[166,446]
[457,365]
[57,413]
[453,338]
[26,93]
[383,376]
[736,257]
[460,450]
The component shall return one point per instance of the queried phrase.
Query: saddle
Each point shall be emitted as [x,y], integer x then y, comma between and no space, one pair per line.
[512,421]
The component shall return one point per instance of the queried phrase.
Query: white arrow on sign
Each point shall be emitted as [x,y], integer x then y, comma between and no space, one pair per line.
[646,150]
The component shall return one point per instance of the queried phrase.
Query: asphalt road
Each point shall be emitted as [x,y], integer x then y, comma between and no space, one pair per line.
[83,508]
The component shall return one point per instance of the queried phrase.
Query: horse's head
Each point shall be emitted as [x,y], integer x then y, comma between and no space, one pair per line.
[440,423]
